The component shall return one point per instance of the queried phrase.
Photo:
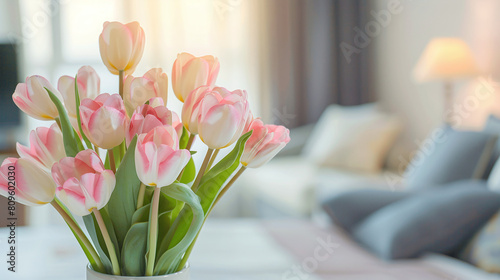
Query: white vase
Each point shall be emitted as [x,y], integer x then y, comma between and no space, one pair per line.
[181,275]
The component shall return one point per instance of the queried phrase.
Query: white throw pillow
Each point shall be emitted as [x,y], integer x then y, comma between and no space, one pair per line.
[355,137]
[494,178]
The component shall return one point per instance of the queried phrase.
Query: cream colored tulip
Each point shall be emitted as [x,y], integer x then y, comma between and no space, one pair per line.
[121,46]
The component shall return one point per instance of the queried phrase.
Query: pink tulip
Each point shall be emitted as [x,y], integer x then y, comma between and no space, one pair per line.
[147,117]
[121,46]
[45,147]
[158,159]
[32,98]
[82,182]
[264,143]
[136,91]
[156,101]
[248,122]
[104,120]
[190,72]
[191,108]
[33,186]
[88,87]
[222,117]
[177,124]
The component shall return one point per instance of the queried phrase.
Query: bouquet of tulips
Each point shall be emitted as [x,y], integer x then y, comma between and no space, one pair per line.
[124,161]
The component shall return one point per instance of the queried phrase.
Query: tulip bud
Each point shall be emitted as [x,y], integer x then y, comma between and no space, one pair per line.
[82,182]
[190,72]
[158,159]
[147,117]
[32,98]
[222,117]
[104,120]
[32,185]
[136,91]
[88,87]
[45,147]
[121,46]
[264,143]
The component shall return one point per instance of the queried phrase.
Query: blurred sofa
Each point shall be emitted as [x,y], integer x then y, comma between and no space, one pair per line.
[444,203]
[347,149]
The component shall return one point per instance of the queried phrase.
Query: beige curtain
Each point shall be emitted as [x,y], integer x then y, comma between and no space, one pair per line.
[227,29]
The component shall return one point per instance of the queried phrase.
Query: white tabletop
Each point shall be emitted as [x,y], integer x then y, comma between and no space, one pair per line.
[225,249]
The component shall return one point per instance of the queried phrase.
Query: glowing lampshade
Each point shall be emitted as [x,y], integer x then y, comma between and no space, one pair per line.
[445,59]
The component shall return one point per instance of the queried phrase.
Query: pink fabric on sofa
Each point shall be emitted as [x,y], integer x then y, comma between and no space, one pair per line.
[347,260]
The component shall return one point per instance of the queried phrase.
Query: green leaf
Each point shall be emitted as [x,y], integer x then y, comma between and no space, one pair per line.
[141,215]
[92,261]
[77,101]
[111,230]
[123,201]
[70,139]
[134,250]
[78,143]
[167,203]
[184,138]
[169,260]
[210,186]
[189,172]
[165,211]
[97,239]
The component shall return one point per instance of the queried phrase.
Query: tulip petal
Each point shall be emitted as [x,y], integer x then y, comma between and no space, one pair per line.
[218,126]
[33,99]
[35,184]
[158,159]
[171,166]
[71,194]
[118,39]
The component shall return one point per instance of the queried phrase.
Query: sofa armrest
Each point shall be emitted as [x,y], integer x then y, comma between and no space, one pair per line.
[298,139]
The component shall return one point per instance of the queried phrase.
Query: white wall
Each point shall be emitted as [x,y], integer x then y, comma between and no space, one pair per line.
[397,47]
[395,52]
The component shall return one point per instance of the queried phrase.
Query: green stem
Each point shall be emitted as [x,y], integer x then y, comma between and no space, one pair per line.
[58,121]
[140,197]
[96,149]
[190,141]
[112,160]
[109,244]
[228,185]
[202,169]
[190,248]
[212,159]
[120,83]
[78,231]
[153,232]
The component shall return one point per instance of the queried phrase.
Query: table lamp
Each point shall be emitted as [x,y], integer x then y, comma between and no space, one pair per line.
[445,59]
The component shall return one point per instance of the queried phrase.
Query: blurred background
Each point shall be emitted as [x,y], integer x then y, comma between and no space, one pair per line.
[296,59]
[369,90]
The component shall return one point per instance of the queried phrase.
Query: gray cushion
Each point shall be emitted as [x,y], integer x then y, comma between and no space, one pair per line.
[439,221]
[348,208]
[468,183]
[453,156]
